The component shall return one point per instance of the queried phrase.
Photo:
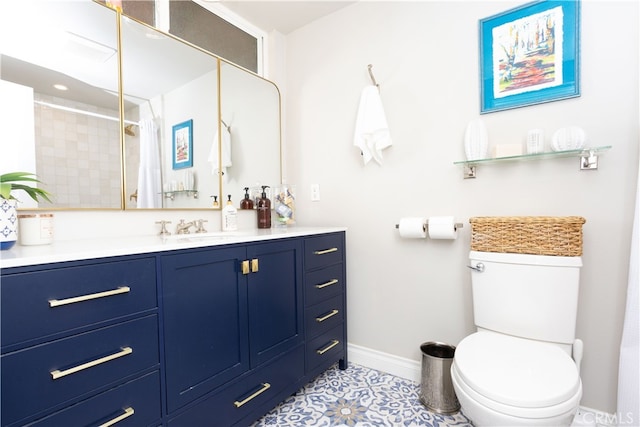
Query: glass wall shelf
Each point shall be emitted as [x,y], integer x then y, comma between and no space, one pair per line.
[588,159]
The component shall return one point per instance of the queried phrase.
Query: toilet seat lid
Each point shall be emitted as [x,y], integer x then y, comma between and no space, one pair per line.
[516,371]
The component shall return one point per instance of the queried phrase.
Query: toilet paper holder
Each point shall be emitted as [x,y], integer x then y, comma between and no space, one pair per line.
[425,226]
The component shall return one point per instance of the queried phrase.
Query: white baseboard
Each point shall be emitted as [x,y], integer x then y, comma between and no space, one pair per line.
[385,362]
[411,370]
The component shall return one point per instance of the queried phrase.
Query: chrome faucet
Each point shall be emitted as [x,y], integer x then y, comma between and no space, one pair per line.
[183,227]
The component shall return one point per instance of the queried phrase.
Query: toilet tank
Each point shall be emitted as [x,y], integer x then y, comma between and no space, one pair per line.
[529,296]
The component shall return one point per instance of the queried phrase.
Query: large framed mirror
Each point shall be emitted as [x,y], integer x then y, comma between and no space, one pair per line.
[250,115]
[170,96]
[230,118]
[59,100]
[194,126]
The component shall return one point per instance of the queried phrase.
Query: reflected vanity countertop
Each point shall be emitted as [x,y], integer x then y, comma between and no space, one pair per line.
[74,250]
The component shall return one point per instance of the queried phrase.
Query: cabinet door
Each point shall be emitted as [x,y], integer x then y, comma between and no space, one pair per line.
[275,299]
[205,321]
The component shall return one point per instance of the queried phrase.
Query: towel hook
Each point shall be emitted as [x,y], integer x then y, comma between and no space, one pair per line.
[373,79]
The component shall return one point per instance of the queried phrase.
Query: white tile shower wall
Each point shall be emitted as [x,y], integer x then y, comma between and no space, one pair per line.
[78,156]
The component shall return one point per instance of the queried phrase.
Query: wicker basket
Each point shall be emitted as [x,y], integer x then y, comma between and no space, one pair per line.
[537,235]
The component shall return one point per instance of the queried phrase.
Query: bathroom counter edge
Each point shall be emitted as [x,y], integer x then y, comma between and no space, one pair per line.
[74,250]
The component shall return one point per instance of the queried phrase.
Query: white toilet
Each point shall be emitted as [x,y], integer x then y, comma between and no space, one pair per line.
[522,367]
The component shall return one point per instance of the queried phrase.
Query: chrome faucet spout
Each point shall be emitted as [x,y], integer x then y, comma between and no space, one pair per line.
[183,227]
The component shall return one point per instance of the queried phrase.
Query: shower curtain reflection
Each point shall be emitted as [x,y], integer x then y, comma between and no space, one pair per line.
[149,172]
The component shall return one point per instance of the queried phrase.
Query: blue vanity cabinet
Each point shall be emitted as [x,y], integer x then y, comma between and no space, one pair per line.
[325,302]
[189,336]
[80,342]
[233,330]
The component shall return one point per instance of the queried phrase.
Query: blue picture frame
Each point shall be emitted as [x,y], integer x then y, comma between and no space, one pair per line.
[182,145]
[530,55]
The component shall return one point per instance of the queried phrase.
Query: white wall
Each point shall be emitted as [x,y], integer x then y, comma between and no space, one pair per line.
[425,55]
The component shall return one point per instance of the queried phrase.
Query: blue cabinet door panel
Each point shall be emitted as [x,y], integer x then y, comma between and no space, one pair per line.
[275,299]
[205,322]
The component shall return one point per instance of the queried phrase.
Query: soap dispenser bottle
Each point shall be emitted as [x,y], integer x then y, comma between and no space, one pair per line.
[246,203]
[229,216]
[264,209]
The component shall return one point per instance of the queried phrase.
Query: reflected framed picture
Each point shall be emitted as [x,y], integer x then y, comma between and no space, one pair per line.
[182,147]
[530,55]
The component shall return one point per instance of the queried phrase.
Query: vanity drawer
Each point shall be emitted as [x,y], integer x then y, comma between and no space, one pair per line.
[47,302]
[136,403]
[324,316]
[325,348]
[323,284]
[45,376]
[231,404]
[323,250]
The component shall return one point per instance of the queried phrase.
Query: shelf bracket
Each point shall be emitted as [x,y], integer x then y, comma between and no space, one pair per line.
[469,171]
[589,161]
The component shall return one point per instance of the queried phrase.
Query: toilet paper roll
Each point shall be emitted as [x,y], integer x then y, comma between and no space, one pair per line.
[442,227]
[412,228]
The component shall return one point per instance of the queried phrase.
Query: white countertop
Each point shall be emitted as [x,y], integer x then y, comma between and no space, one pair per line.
[73,250]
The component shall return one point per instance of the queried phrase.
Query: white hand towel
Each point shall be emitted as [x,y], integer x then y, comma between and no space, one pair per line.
[372,132]
[226,153]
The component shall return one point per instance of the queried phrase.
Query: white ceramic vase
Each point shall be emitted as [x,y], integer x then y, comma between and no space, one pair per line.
[476,140]
[8,223]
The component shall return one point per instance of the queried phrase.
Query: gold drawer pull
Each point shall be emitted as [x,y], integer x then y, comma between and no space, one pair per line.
[59,302]
[127,413]
[265,387]
[325,251]
[329,283]
[323,318]
[255,265]
[329,347]
[59,374]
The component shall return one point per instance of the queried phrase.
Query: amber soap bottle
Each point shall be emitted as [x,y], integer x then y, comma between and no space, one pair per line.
[264,209]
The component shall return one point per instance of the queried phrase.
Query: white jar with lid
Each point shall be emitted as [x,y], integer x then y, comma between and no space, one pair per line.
[35,229]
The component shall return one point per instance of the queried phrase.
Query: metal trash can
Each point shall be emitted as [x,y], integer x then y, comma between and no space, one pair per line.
[436,388]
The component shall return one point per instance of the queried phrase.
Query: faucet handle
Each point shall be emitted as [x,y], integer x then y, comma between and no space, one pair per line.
[163,227]
[201,228]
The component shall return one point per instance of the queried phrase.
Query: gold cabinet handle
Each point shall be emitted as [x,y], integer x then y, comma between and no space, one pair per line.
[245,267]
[254,265]
[329,283]
[265,387]
[325,251]
[59,374]
[329,347]
[59,302]
[127,413]
[323,318]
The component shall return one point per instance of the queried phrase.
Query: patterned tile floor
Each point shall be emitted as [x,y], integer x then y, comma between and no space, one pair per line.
[357,397]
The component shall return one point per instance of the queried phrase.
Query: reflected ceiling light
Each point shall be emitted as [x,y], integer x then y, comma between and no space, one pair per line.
[60,86]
